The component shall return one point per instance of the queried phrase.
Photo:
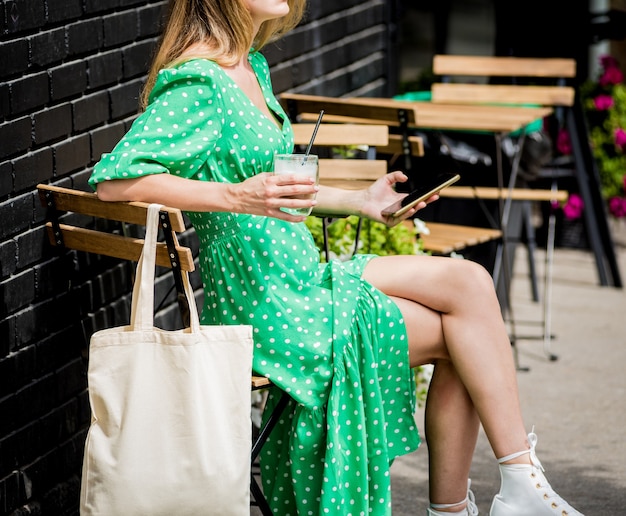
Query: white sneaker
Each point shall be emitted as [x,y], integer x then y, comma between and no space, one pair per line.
[525,491]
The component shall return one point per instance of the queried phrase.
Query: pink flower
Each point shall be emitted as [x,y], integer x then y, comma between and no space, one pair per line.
[617,206]
[563,142]
[573,207]
[611,76]
[620,137]
[603,102]
[608,62]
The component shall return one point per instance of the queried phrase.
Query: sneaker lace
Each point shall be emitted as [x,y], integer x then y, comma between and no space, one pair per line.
[472,509]
[549,495]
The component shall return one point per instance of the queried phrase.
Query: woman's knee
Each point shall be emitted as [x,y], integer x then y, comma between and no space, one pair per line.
[472,277]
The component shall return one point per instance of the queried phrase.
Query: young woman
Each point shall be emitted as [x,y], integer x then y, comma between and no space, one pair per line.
[340,338]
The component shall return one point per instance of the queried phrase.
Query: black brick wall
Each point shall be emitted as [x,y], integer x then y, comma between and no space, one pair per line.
[70,75]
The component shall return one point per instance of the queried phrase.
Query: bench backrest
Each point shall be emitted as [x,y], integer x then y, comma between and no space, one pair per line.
[67,231]
[351,174]
[455,86]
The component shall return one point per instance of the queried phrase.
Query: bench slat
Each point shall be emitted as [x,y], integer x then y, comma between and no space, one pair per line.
[87,203]
[492,193]
[503,66]
[456,93]
[116,246]
[344,134]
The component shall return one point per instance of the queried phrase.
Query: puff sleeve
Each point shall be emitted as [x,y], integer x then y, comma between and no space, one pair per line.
[177,132]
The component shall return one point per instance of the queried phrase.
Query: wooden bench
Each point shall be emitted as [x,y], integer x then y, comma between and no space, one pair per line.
[80,221]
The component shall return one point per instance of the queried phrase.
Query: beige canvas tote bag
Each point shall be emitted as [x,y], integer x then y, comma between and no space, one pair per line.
[171,430]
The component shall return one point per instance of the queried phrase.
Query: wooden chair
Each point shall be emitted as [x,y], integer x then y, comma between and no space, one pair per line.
[489,80]
[79,221]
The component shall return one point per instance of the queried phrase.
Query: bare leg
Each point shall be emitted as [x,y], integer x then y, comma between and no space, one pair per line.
[451,426]
[453,317]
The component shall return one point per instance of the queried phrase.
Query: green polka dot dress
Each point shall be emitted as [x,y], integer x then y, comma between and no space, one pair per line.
[337,345]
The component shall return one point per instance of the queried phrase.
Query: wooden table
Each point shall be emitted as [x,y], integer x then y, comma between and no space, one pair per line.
[419,115]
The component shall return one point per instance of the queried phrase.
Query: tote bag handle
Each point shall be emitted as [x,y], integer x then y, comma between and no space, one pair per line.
[142,308]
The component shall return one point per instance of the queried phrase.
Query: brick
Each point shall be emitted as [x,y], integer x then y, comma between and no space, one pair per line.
[15,137]
[68,80]
[23,445]
[362,75]
[30,248]
[125,99]
[112,284]
[10,486]
[104,139]
[48,47]
[8,334]
[27,326]
[52,123]
[71,379]
[51,276]
[60,348]
[64,10]
[137,58]
[13,57]
[31,169]
[368,42]
[24,15]
[96,6]
[79,180]
[17,292]
[84,36]
[151,19]
[104,69]
[120,28]
[128,3]
[15,214]
[16,369]
[8,258]
[35,399]
[59,425]
[29,93]
[71,154]
[5,100]
[90,111]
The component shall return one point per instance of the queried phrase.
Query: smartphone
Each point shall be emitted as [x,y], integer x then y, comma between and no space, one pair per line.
[421,193]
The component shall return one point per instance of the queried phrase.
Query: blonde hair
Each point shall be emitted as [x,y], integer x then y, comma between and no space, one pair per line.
[222,27]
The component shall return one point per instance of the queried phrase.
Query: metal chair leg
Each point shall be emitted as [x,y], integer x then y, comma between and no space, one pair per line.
[259,498]
[547,291]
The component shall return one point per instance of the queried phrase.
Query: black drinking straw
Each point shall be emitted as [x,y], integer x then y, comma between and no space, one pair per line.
[317,126]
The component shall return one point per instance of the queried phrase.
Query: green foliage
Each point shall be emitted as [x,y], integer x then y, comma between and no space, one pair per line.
[375,237]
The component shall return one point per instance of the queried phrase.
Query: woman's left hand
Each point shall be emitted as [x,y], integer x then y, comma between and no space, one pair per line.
[382,194]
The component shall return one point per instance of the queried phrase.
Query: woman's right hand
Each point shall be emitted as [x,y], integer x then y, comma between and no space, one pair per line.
[265,193]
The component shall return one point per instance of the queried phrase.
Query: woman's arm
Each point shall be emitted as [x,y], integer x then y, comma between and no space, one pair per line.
[263,194]
[368,202]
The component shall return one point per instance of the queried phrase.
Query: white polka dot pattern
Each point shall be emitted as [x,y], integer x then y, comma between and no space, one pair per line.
[334,343]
